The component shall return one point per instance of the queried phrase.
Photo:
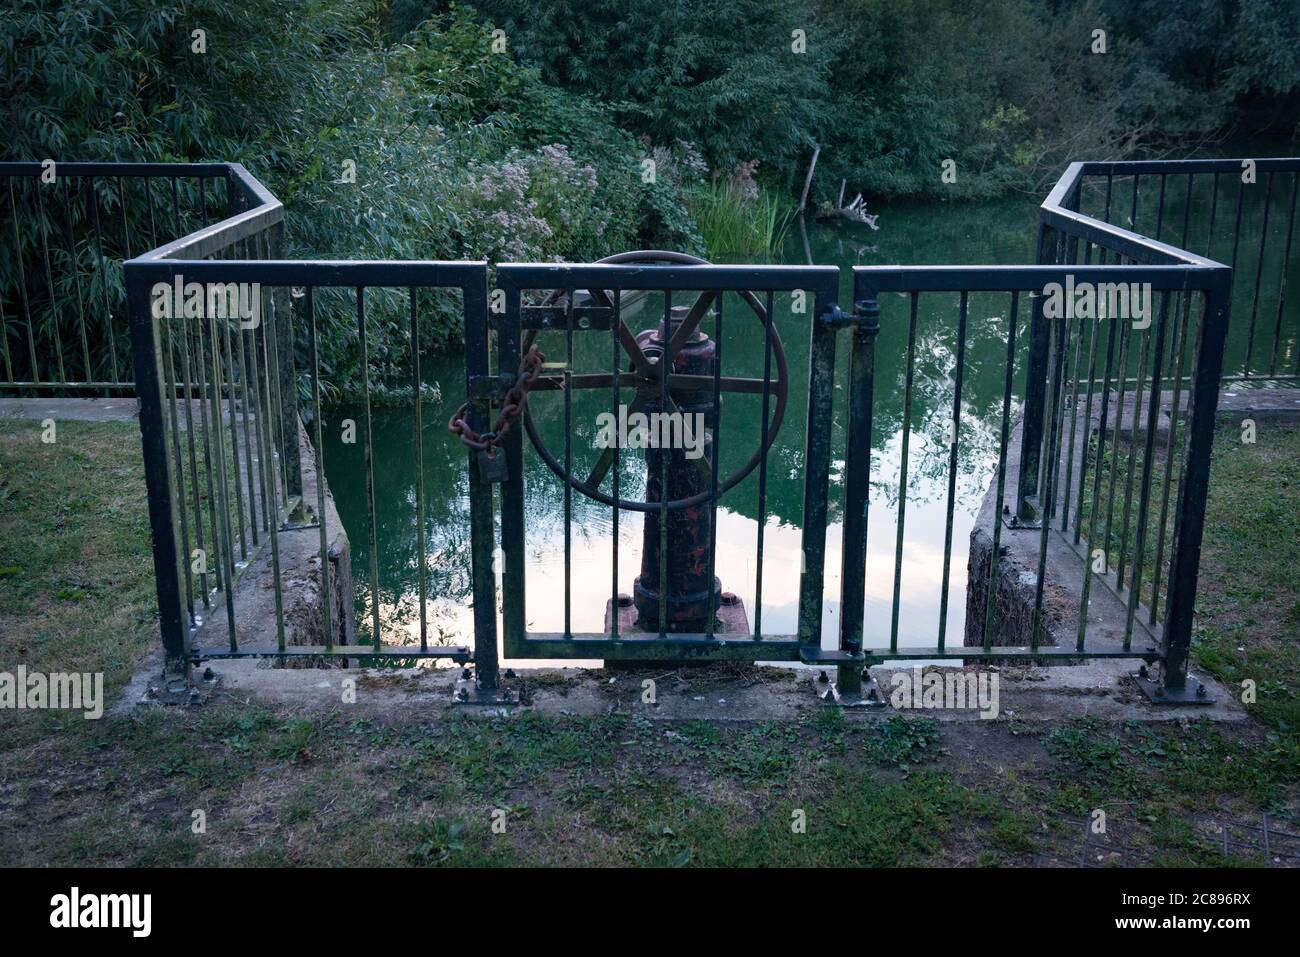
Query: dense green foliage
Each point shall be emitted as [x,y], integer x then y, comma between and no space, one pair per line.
[1009,89]
[509,131]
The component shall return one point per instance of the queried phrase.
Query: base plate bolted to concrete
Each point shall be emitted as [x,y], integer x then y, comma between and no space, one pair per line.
[469,692]
[869,696]
[1193,693]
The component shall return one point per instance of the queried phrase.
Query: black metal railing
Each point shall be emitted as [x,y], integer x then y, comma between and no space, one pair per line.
[655,622]
[227,431]
[1104,428]
[1112,456]
[65,230]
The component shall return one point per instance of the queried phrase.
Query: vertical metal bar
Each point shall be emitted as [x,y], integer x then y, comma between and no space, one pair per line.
[1095,508]
[1189,516]
[234,433]
[4,342]
[75,266]
[1281,286]
[1160,208]
[1177,351]
[370,468]
[1121,380]
[1259,273]
[1051,467]
[910,375]
[272,505]
[1054,393]
[22,288]
[1072,404]
[1101,250]
[568,464]
[1148,463]
[996,554]
[618,446]
[1133,208]
[145,341]
[101,257]
[56,334]
[204,368]
[762,462]
[1035,397]
[147,183]
[287,377]
[262,427]
[954,441]
[664,366]
[227,539]
[416,385]
[187,341]
[1236,233]
[176,210]
[857,491]
[170,414]
[244,416]
[817,453]
[1087,425]
[715,459]
[1138,389]
[327,596]
[1214,209]
[480,491]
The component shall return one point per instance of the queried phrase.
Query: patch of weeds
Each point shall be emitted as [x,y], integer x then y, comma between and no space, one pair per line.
[831,726]
[901,742]
[437,842]
[763,754]
[1090,766]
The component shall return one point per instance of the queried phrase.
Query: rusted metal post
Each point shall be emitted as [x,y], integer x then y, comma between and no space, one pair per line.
[857,494]
[692,592]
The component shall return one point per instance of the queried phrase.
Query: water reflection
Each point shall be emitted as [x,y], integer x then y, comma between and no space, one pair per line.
[993,233]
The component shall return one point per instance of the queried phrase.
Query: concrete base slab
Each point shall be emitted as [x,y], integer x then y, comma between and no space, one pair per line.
[1104,689]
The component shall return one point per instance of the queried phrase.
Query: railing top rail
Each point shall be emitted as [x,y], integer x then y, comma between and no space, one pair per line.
[200,170]
[377,273]
[268,211]
[1057,214]
[664,276]
[900,278]
[1268,164]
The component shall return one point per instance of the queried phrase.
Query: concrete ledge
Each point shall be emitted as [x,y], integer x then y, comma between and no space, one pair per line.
[1014,599]
[300,584]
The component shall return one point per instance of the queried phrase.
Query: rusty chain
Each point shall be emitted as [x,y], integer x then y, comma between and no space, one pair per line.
[512,406]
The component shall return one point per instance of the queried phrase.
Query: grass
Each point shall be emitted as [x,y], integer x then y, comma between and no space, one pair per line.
[735,224]
[1248,620]
[282,786]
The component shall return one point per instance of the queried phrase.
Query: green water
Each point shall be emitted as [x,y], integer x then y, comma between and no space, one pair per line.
[997,232]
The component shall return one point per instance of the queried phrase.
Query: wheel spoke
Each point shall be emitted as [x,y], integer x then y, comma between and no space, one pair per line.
[701,463]
[689,324]
[633,349]
[597,380]
[679,380]
[606,458]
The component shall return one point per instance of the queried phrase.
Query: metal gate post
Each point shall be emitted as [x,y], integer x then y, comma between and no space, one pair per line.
[146,350]
[486,689]
[817,456]
[1178,687]
[857,488]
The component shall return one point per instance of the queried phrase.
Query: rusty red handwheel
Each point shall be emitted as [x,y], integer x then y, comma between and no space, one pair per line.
[644,378]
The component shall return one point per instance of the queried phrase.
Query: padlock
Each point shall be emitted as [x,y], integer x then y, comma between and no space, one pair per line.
[492,467]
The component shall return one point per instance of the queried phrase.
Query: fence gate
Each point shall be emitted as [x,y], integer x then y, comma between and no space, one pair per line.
[567,345]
